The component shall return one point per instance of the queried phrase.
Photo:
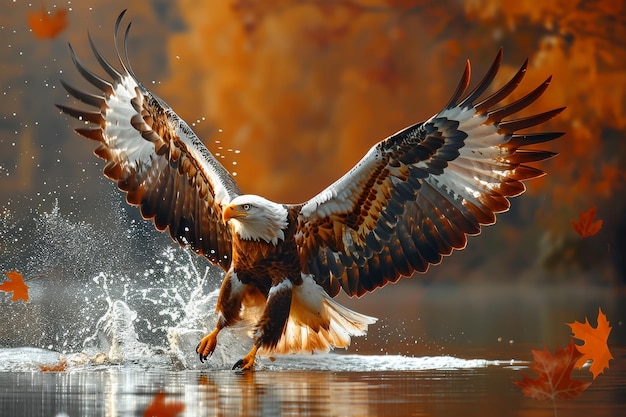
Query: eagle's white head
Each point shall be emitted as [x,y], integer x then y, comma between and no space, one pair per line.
[256,218]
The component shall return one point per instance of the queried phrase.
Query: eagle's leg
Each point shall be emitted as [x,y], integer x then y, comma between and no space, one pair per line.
[207,344]
[271,325]
[228,308]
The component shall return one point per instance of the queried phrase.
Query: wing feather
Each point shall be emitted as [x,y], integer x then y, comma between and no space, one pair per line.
[417,195]
[154,157]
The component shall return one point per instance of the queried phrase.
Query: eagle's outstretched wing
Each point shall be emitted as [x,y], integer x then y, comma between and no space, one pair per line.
[155,157]
[416,195]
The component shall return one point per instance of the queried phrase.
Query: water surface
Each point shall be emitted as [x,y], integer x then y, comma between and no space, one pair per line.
[322,385]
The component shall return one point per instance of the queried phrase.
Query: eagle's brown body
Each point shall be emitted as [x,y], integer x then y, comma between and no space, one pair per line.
[266,286]
[412,199]
[262,259]
[261,266]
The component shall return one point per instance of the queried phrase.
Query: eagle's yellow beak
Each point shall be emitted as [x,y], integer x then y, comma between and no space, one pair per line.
[231,211]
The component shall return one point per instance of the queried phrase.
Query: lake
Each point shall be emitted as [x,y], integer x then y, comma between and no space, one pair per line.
[320,386]
[452,372]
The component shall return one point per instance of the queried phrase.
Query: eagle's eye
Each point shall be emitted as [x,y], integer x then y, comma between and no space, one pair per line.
[246,207]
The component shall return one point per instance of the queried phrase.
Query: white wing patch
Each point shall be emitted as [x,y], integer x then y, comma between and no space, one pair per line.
[154,157]
[338,197]
[136,152]
[120,135]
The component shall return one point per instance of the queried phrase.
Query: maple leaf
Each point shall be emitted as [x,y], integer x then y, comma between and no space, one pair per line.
[45,25]
[159,408]
[594,347]
[585,226]
[554,372]
[60,366]
[15,284]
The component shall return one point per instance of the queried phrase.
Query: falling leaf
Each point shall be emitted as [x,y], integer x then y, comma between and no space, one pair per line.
[594,347]
[159,408]
[554,372]
[15,284]
[585,226]
[45,25]
[60,366]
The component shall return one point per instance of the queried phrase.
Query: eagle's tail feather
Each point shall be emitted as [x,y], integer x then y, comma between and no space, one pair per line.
[317,323]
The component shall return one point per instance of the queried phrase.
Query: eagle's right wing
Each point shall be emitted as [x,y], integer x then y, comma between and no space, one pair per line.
[415,196]
[155,157]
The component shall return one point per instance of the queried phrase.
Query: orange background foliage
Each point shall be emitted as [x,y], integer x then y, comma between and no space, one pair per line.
[291,94]
[303,89]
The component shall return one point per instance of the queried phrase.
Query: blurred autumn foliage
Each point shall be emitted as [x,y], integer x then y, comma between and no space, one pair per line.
[304,88]
[291,93]
[302,85]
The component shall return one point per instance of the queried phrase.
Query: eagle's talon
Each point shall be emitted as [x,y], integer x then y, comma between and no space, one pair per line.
[238,364]
[207,345]
[247,362]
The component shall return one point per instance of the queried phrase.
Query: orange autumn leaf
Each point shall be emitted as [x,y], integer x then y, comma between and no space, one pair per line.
[45,25]
[553,375]
[15,284]
[159,408]
[585,226]
[595,347]
[60,366]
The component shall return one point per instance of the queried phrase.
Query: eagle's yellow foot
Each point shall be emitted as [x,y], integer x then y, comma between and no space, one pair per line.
[247,362]
[207,345]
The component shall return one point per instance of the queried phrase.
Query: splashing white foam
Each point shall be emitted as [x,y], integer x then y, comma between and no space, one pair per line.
[129,296]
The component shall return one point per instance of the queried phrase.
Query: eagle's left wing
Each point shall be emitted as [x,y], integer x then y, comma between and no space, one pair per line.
[155,157]
[416,195]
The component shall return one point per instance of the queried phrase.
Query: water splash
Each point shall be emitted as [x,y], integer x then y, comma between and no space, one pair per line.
[122,295]
[128,295]
[366,363]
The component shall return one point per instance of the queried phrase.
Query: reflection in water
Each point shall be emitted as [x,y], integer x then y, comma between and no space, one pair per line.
[278,391]
[268,394]
[290,393]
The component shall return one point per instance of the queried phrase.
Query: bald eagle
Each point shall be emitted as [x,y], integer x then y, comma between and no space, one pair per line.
[413,198]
